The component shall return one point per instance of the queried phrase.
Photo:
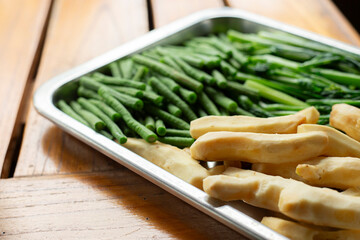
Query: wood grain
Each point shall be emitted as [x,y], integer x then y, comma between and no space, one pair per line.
[77,32]
[166,11]
[21,26]
[104,205]
[319,16]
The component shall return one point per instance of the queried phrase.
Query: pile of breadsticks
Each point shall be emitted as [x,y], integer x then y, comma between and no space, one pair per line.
[307,172]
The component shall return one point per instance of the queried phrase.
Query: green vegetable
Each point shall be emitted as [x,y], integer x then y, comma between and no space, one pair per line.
[177,133]
[115,70]
[160,127]
[150,123]
[118,81]
[114,129]
[274,95]
[129,91]
[174,110]
[140,129]
[87,93]
[126,68]
[221,100]
[168,118]
[111,113]
[208,105]
[169,72]
[69,111]
[188,95]
[180,142]
[221,81]
[95,123]
[173,98]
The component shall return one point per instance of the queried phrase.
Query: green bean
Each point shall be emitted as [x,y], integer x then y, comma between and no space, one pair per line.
[69,111]
[227,68]
[209,61]
[274,95]
[169,61]
[218,45]
[169,72]
[150,123]
[178,133]
[240,89]
[188,95]
[240,111]
[205,49]
[126,68]
[115,70]
[220,99]
[202,113]
[174,110]
[84,92]
[283,113]
[208,105]
[140,73]
[118,81]
[144,132]
[339,77]
[192,60]
[160,127]
[153,97]
[173,98]
[193,72]
[234,63]
[220,79]
[128,101]
[223,112]
[89,83]
[167,118]
[171,84]
[115,116]
[95,123]
[134,92]
[180,142]
[114,129]
[106,134]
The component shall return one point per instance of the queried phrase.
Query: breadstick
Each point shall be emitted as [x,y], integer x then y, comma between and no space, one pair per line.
[259,147]
[172,159]
[346,118]
[283,124]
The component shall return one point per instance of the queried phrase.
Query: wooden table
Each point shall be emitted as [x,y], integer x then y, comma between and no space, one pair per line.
[55,187]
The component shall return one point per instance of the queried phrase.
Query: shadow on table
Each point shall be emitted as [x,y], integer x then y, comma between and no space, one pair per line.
[150,204]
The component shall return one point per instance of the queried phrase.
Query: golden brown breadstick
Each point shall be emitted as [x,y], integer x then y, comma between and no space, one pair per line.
[283,124]
[346,118]
[340,145]
[320,206]
[259,147]
[334,172]
[285,170]
[172,159]
[297,231]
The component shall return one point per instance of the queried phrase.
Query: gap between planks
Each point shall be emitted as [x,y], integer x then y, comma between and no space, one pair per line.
[14,147]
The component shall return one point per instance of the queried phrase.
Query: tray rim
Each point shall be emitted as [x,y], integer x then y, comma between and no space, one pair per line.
[43,102]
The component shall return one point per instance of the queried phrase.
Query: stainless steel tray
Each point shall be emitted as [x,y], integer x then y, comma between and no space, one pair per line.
[237,215]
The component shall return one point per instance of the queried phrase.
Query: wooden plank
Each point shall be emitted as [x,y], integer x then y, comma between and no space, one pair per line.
[77,32]
[165,11]
[106,205]
[319,16]
[19,20]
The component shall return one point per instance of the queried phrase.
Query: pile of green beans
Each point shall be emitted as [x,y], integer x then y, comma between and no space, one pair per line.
[155,95]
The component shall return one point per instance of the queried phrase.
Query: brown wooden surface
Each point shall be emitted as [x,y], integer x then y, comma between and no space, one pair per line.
[319,16]
[106,201]
[77,32]
[106,205]
[20,32]
[166,11]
